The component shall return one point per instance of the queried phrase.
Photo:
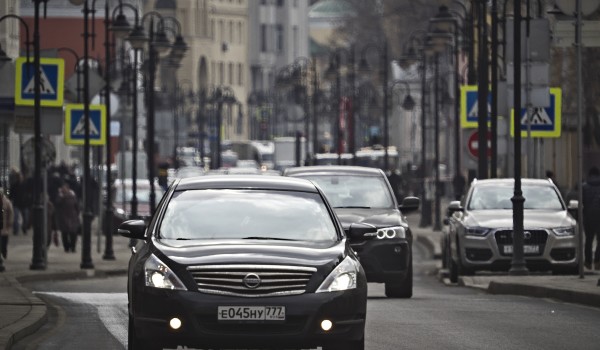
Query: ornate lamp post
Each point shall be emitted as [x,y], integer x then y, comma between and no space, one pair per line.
[382,50]
[3,59]
[333,73]
[158,44]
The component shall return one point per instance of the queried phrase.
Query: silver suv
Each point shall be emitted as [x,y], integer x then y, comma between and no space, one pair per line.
[480,231]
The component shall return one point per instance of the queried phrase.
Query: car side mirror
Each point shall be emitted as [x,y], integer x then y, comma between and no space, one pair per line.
[358,230]
[573,208]
[133,229]
[409,204]
[453,207]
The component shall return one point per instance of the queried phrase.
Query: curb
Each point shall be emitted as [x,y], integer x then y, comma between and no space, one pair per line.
[37,314]
[33,320]
[564,295]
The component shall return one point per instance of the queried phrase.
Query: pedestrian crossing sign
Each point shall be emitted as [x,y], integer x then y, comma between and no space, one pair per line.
[544,121]
[469,106]
[52,79]
[75,125]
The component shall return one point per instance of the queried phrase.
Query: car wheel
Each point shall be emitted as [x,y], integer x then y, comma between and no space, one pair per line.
[403,289]
[347,345]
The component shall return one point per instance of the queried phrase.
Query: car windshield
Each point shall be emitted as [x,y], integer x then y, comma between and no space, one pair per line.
[498,197]
[247,214]
[344,191]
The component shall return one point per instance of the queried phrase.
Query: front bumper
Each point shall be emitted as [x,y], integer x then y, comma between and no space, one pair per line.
[384,260]
[153,308]
[543,250]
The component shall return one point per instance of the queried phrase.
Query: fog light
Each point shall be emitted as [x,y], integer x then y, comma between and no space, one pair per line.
[326,325]
[175,323]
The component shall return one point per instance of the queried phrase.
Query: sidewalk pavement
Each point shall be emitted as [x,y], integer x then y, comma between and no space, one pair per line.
[22,313]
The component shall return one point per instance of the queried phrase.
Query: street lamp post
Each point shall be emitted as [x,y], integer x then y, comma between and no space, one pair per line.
[158,44]
[333,73]
[384,68]
[221,95]
[137,38]
[86,257]
[3,59]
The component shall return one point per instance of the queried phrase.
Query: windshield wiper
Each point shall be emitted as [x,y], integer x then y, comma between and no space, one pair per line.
[270,238]
[352,207]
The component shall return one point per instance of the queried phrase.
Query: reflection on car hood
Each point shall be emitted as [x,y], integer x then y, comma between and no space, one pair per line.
[376,217]
[301,253]
[532,218]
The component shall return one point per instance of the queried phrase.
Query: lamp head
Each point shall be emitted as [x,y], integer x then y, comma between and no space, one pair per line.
[137,38]
[120,26]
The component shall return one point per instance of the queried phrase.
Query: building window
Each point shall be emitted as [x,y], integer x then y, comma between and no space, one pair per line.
[263,37]
[280,3]
[212,28]
[240,74]
[221,36]
[295,40]
[239,25]
[231,74]
[295,3]
[231,31]
[279,38]
[221,73]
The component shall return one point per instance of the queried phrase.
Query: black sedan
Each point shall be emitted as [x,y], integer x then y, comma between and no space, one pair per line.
[245,261]
[364,195]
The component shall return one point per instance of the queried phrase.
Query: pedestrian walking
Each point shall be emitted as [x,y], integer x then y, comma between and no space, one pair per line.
[591,217]
[67,216]
[6,222]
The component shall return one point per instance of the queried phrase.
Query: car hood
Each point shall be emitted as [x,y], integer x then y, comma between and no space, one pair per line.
[375,217]
[209,252]
[531,218]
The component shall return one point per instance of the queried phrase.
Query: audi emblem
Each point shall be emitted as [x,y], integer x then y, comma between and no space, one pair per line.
[251,281]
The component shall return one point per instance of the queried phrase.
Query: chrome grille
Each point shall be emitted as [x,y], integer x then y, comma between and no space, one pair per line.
[251,280]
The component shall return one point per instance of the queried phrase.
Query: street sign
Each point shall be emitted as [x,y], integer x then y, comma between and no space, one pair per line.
[545,122]
[52,75]
[75,125]
[473,144]
[469,107]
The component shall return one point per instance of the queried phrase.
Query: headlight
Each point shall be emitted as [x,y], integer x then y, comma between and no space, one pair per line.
[343,277]
[158,275]
[391,232]
[564,231]
[476,231]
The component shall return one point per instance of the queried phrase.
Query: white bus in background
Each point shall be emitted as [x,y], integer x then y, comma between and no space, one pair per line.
[259,151]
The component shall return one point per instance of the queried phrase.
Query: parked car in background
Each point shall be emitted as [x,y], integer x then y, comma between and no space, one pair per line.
[123,194]
[363,195]
[480,232]
[245,262]
[188,171]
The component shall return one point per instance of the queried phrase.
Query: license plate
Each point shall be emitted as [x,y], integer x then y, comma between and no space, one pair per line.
[251,313]
[527,249]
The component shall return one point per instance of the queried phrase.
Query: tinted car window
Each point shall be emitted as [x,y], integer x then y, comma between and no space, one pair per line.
[498,197]
[238,214]
[349,191]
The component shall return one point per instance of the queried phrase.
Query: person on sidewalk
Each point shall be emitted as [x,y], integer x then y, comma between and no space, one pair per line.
[67,215]
[6,222]
[591,217]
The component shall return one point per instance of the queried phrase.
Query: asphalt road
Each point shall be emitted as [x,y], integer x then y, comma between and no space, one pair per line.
[92,314]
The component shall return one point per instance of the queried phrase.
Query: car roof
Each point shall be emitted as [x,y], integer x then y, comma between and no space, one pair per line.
[511,181]
[332,170]
[245,181]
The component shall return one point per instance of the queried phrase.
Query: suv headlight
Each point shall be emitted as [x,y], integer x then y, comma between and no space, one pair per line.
[391,232]
[476,231]
[159,275]
[343,277]
[564,231]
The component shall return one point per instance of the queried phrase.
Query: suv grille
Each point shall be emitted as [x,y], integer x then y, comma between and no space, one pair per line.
[251,280]
[537,237]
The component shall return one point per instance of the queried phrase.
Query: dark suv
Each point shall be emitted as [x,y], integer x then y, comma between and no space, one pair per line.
[363,196]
